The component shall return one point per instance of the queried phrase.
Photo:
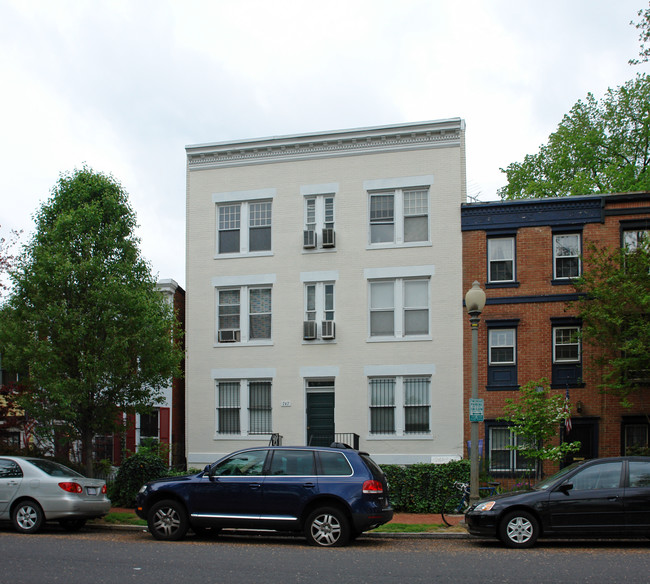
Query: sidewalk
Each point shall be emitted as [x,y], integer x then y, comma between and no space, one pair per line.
[405,518]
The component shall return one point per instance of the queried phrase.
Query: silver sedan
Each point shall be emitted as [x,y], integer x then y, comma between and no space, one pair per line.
[35,490]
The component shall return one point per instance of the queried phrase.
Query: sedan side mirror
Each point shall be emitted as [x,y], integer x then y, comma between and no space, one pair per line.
[565,488]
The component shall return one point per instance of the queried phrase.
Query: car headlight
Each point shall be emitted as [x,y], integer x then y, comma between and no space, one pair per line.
[143,489]
[485,506]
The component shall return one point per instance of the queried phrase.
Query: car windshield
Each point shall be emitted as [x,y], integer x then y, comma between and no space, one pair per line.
[54,469]
[546,483]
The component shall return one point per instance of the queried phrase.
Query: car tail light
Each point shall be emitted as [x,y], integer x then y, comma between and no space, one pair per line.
[373,488]
[71,487]
[103,489]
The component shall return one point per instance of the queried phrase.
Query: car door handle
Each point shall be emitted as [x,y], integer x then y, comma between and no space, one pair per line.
[615,498]
[255,485]
[309,485]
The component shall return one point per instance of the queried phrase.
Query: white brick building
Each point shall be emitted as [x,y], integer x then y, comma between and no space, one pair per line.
[324,291]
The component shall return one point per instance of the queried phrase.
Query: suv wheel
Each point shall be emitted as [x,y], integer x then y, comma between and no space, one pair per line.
[327,527]
[167,520]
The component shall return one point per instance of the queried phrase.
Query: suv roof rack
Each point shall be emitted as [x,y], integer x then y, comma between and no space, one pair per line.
[341,445]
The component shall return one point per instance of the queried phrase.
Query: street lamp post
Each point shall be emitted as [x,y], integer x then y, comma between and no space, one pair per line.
[474,302]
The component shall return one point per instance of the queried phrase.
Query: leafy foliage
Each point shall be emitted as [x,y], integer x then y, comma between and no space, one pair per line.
[615,309]
[535,416]
[644,37]
[83,316]
[599,147]
[424,488]
[135,472]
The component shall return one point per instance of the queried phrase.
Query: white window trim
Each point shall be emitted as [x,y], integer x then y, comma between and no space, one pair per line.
[242,375]
[319,193]
[398,311]
[242,198]
[561,361]
[556,257]
[399,408]
[244,284]
[396,187]
[513,259]
[514,346]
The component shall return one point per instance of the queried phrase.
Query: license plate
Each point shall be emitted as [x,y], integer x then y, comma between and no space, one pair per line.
[92,490]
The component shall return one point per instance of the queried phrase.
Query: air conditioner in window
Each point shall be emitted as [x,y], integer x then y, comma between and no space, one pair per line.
[328,237]
[328,329]
[309,330]
[309,239]
[229,336]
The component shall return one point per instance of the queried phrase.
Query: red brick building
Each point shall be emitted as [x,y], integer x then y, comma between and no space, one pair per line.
[524,254]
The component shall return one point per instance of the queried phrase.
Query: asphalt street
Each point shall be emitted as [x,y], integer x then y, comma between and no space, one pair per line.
[103,556]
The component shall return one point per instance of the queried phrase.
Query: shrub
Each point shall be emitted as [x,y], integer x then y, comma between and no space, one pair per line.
[423,488]
[135,472]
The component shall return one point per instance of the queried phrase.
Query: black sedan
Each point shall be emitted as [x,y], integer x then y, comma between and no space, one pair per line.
[604,497]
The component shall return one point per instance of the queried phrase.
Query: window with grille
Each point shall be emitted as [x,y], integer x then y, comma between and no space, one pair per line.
[244,407]
[228,408]
[400,405]
[502,455]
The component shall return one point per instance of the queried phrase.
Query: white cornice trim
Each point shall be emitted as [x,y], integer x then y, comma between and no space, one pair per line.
[435,134]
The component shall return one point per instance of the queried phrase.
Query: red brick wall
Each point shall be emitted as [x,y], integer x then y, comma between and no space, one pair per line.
[534,272]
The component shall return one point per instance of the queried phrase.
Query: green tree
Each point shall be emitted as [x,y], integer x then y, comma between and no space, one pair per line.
[615,310]
[599,147]
[83,316]
[535,416]
[644,37]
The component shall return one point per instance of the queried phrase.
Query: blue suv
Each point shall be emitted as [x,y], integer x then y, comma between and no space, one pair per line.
[331,495]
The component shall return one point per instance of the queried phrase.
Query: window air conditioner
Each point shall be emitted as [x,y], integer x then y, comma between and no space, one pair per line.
[328,329]
[229,336]
[309,330]
[309,239]
[328,237]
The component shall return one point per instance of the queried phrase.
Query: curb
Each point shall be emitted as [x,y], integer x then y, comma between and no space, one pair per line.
[374,535]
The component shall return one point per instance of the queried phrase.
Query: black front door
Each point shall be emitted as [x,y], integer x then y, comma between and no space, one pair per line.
[320,418]
[585,432]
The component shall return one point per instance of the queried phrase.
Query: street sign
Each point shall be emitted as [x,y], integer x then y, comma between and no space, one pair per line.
[475,410]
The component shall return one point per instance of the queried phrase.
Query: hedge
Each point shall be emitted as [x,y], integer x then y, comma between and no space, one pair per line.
[423,488]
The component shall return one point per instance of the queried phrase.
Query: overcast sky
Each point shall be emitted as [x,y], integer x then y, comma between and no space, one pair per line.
[124,86]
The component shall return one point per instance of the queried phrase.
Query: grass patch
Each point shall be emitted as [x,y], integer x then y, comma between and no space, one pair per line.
[121,519]
[413,528]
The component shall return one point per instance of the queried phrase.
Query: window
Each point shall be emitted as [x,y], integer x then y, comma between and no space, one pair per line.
[399,308]
[399,217]
[248,323]
[319,307]
[244,407]
[502,457]
[292,463]
[639,474]
[501,259]
[400,405]
[149,425]
[256,237]
[567,353]
[599,476]
[635,437]
[566,256]
[566,344]
[634,239]
[334,464]
[502,346]
[249,463]
[502,355]
[319,221]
